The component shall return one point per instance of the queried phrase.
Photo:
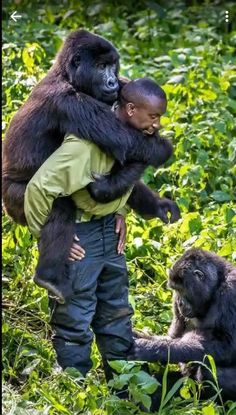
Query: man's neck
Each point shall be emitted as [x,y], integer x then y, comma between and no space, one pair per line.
[120,114]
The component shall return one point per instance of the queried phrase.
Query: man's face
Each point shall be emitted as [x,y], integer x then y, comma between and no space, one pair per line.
[146,116]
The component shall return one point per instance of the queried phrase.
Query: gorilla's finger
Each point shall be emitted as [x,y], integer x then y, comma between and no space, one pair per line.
[162,214]
[141,335]
[97,176]
[175,213]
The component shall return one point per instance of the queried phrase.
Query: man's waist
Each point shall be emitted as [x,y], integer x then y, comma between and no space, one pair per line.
[82,216]
[96,221]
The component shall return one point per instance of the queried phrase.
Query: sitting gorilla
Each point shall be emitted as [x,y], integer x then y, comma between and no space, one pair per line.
[204,321]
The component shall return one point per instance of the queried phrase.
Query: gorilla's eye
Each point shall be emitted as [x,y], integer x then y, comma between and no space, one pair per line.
[199,274]
[101,65]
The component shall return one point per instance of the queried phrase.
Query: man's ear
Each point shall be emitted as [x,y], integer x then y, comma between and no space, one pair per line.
[130,108]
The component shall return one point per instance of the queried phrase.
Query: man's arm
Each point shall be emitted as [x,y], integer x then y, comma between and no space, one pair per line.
[63,173]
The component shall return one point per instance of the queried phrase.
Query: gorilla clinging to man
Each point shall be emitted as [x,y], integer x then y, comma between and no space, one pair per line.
[204,321]
[75,97]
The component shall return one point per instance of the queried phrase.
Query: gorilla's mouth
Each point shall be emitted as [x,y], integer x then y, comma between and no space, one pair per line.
[109,96]
[110,92]
[185,308]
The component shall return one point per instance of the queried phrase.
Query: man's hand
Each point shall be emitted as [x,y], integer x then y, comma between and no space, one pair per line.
[76,251]
[121,229]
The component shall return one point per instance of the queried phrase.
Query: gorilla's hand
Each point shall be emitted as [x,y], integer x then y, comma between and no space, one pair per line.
[141,335]
[100,189]
[151,349]
[165,206]
[119,181]
[140,350]
[150,205]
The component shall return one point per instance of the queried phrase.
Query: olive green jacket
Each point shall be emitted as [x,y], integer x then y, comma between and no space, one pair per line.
[66,173]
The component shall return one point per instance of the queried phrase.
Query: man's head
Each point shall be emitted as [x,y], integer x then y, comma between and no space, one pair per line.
[142,103]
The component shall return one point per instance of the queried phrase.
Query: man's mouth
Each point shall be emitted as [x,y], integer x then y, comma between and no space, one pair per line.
[149,131]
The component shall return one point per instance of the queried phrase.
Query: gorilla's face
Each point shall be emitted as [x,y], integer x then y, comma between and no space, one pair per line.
[96,75]
[195,280]
[104,82]
[90,63]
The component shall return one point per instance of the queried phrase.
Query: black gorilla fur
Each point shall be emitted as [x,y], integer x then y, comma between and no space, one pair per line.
[66,101]
[204,321]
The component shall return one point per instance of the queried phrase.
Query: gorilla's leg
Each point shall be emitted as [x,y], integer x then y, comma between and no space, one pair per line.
[172,378]
[13,199]
[226,377]
[56,237]
[227,382]
[54,246]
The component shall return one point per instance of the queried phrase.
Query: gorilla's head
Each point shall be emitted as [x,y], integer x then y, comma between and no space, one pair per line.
[90,63]
[195,277]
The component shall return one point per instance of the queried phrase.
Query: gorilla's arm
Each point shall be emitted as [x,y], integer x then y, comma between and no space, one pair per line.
[112,186]
[178,324]
[92,120]
[109,187]
[123,143]
[149,205]
[190,347]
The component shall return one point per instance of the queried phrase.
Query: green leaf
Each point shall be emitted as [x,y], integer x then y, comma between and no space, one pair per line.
[226,249]
[146,400]
[173,390]
[220,196]
[74,373]
[185,393]
[120,381]
[177,79]
[209,410]
[30,367]
[121,366]
[147,382]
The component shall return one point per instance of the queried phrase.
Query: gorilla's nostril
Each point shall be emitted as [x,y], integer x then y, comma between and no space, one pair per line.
[112,83]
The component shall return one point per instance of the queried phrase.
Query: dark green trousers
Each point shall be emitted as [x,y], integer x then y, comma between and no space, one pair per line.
[100,302]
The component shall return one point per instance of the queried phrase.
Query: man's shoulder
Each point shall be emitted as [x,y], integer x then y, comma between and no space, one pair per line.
[72,138]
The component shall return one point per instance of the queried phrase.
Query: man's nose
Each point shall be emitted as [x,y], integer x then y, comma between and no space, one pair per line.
[156,125]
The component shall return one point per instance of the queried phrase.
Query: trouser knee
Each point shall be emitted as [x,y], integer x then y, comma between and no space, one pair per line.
[70,354]
[113,332]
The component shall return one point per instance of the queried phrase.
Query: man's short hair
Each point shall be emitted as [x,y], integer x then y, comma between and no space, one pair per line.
[138,89]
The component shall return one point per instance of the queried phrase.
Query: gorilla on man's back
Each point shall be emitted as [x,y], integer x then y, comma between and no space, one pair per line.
[66,101]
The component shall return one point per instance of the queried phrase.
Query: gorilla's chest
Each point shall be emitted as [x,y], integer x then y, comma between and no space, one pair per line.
[206,323]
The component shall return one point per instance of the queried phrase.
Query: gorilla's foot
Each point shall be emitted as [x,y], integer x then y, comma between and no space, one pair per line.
[52,289]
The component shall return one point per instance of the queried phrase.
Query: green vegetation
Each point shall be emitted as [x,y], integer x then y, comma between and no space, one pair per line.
[188,50]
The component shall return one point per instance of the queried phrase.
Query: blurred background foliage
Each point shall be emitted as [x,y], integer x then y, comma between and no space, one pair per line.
[189,49]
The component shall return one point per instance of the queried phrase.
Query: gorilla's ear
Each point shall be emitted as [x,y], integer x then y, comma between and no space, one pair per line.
[76,60]
[71,68]
[221,271]
[199,274]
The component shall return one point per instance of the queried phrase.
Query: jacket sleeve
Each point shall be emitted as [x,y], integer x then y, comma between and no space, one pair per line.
[63,173]
[124,211]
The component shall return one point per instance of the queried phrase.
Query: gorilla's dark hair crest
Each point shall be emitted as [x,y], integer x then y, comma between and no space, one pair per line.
[72,48]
